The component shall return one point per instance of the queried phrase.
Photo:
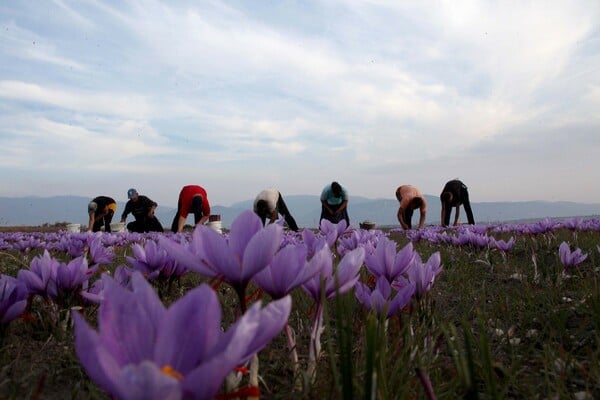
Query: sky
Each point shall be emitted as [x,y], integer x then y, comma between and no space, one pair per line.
[237,96]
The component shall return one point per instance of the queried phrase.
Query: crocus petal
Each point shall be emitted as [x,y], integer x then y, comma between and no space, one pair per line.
[194,321]
[260,251]
[243,228]
[145,381]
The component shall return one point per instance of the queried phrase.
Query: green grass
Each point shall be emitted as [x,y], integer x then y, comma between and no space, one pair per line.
[491,328]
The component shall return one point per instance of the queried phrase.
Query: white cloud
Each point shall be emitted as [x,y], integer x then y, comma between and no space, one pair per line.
[366,90]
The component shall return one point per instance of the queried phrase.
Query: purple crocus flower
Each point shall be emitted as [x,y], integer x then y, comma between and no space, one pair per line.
[95,294]
[502,245]
[344,278]
[154,261]
[143,350]
[570,259]
[13,298]
[40,278]
[422,275]
[99,253]
[332,231]
[313,242]
[288,269]
[387,263]
[71,276]
[380,298]
[248,250]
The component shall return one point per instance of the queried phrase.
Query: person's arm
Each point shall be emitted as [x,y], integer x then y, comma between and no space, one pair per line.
[180,224]
[401,218]
[329,210]
[342,206]
[153,206]
[273,216]
[422,219]
[125,212]
[202,220]
[457,215]
[91,222]
[443,218]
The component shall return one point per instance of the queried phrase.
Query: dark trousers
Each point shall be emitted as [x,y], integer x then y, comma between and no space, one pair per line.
[336,217]
[103,221]
[459,196]
[283,210]
[408,214]
[145,225]
[196,208]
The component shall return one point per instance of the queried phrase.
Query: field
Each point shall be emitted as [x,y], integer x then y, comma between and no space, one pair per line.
[503,313]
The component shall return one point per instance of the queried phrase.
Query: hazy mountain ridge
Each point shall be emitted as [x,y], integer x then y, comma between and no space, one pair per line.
[306,209]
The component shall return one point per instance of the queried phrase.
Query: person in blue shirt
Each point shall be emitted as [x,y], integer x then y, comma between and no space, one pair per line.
[334,203]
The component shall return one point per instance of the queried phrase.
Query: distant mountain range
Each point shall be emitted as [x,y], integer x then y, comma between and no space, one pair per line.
[306,209]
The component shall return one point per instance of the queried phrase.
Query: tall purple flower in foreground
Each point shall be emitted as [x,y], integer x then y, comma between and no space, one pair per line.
[40,278]
[332,231]
[570,259]
[288,269]
[387,263]
[142,350]
[248,250]
[154,261]
[380,298]
[13,298]
[343,279]
[422,275]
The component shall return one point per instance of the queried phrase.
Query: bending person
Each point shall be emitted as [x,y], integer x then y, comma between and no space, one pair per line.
[101,210]
[334,204]
[142,209]
[192,198]
[410,199]
[455,194]
[269,203]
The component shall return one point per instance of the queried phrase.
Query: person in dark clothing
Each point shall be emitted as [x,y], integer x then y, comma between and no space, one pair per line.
[455,194]
[101,210]
[142,209]
[334,204]
[269,203]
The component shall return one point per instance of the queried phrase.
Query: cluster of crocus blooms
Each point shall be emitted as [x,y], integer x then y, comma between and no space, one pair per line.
[13,299]
[143,350]
[570,258]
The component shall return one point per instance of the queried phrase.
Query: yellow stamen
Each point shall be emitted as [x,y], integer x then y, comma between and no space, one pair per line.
[168,370]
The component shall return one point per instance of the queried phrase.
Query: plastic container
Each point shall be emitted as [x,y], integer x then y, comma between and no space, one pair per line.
[367,225]
[215,225]
[117,227]
[73,228]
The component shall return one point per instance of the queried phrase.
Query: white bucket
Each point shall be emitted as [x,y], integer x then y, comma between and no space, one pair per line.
[117,227]
[73,227]
[215,225]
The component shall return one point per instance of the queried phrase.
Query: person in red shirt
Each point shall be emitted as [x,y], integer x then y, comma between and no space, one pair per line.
[410,199]
[192,199]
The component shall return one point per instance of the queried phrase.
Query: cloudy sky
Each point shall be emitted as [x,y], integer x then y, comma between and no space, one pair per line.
[237,96]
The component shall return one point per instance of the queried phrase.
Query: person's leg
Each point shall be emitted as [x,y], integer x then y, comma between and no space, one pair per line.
[97,224]
[408,213]
[175,223]
[325,214]
[467,206]
[153,225]
[107,220]
[197,208]
[135,226]
[283,210]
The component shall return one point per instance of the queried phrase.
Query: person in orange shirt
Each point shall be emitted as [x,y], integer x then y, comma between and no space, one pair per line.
[101,210]
[192,198]
[410,198]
